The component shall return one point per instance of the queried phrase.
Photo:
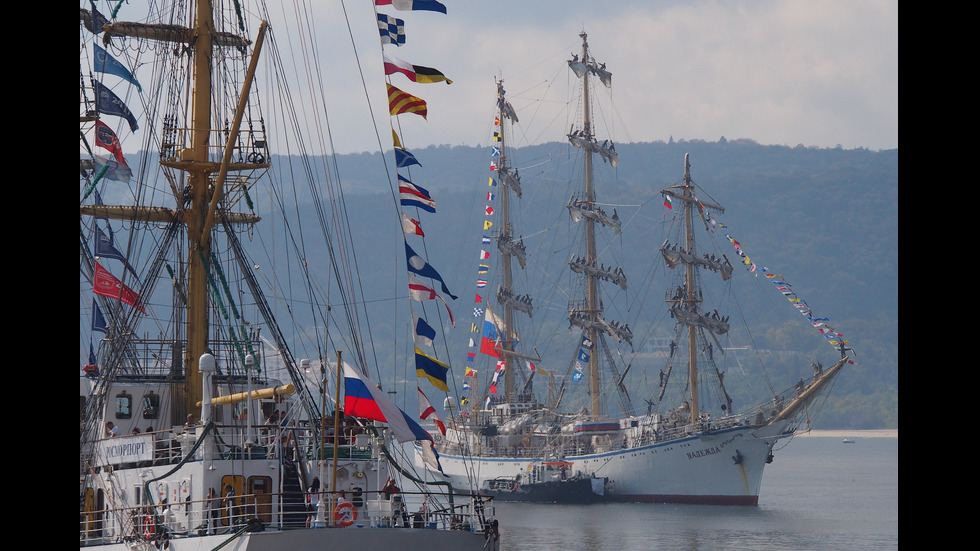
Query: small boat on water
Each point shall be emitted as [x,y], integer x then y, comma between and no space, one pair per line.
[548,482]
[848,441]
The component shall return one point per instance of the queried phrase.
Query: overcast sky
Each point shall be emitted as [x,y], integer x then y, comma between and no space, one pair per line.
[783,72]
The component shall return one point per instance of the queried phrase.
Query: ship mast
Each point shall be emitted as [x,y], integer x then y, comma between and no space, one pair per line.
[588,314]
[199,237]
[198,202]
[688,303]
[509,248]
[690,300]
[591,283]
[508,341]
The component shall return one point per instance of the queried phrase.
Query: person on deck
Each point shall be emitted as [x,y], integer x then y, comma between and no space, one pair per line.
[229,504]
[389,488]
[312,500]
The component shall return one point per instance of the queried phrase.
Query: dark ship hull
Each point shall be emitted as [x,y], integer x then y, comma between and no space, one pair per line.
[578,490]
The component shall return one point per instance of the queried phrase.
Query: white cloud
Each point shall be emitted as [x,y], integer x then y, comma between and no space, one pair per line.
[775,71]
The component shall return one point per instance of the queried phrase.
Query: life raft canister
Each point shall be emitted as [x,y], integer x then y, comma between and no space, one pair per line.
[345,514]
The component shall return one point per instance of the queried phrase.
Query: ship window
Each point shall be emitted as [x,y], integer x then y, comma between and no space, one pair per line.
[151,405]
[124,406]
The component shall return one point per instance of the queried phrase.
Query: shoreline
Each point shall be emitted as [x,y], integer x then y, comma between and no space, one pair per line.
[845,433]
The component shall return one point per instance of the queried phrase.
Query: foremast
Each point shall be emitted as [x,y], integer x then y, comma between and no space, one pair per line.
[200,198]
[588,315]
[510,250]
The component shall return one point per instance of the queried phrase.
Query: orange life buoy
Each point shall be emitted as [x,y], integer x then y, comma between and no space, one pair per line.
[345,514]
[148,527]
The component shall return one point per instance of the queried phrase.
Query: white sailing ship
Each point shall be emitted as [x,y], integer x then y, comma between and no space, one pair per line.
[690,445]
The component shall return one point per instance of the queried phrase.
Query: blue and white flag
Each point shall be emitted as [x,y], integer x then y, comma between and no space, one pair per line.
[392,30]
[105,247]
[424,333]
[108,103]
[97,20]
[104,63]
[404,158]
[417,265]
[115,170]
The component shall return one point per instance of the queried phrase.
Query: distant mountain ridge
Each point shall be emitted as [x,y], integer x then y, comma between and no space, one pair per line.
[827,217]
[822,211]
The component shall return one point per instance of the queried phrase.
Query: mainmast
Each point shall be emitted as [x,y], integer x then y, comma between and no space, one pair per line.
[588,315]
[199,237]
[591,284]
[188,150]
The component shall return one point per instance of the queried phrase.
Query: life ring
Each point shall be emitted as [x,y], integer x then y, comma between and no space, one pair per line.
[345,514]
[149,527]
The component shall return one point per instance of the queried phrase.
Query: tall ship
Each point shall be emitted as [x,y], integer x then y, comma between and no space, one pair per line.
[686,443]
[211,416]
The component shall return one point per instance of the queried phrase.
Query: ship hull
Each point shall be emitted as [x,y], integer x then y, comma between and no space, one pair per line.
[326,539]
[579,491]
[718,468]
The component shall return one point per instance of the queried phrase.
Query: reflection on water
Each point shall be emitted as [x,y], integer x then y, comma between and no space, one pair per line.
[817,494]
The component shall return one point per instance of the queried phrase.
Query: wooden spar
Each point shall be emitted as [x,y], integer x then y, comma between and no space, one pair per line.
[804,397]
[270,392]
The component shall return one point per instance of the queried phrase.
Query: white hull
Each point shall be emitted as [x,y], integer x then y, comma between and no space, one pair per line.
[327,539]
[699,469]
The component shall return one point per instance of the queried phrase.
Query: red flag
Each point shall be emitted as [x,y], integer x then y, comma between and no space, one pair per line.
[426,410]
[411,225]
[107,285]
[106,138]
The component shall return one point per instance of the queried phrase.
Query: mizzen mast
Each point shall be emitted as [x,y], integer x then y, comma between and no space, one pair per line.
[687,300]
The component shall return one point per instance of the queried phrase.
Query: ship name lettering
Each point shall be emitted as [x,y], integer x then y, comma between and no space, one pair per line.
[704,453]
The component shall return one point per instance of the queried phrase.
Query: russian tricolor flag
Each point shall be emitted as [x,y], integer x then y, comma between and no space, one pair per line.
[363,399]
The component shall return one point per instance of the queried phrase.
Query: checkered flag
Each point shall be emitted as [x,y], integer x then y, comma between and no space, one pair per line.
[477,312]
[392,30]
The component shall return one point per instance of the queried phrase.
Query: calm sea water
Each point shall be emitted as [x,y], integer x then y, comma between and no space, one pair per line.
[818,493]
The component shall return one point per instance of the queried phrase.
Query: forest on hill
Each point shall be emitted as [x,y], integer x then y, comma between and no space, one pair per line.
[825,217]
